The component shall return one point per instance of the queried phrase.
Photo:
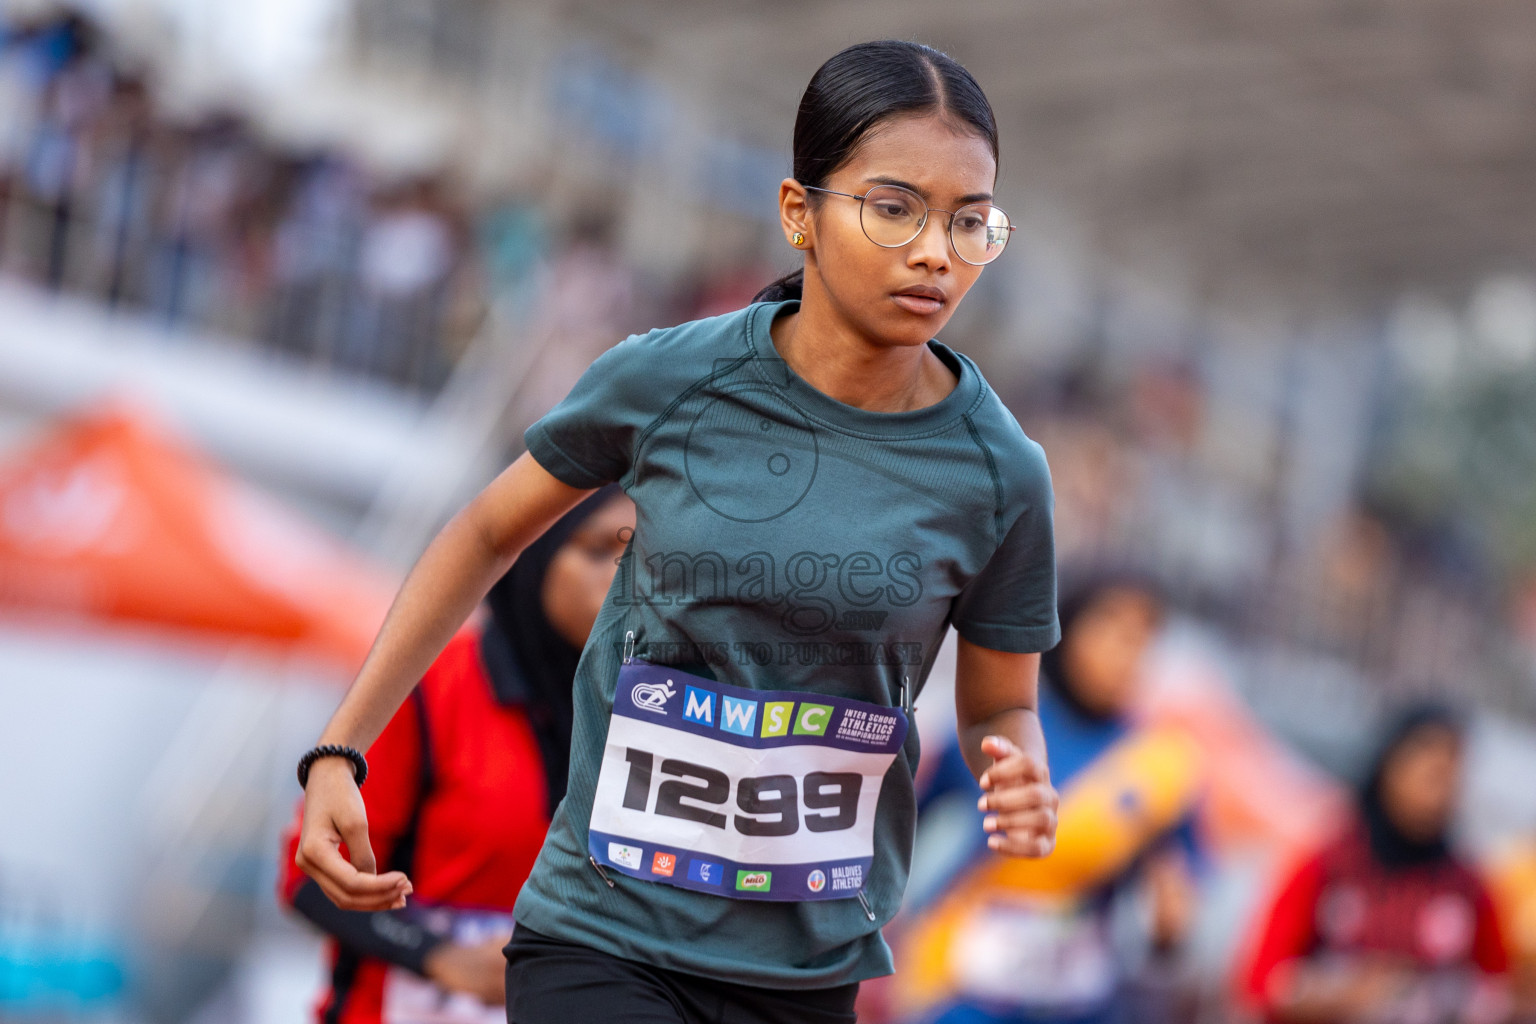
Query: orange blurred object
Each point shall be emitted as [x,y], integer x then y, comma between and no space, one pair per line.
[1511,874]
[107,516]
[1259,795]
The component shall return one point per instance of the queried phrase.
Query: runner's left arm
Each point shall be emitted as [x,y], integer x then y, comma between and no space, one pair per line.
[1004,616]
[1001,738]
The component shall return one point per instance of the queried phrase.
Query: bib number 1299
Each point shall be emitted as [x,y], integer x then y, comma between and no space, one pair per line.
[769,805]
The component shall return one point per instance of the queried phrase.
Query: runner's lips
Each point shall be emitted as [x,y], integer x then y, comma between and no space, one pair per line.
[923,291]
[920,299]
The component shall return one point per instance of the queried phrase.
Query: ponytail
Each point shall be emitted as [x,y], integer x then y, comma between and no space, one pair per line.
[787,287]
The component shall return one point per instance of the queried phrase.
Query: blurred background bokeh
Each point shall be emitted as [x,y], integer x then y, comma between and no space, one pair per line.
[281,284]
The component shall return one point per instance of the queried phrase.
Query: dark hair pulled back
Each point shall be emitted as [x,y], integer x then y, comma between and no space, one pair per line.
[861,86]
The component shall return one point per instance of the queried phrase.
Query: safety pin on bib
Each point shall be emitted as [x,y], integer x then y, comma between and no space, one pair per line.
[869,913]
[604,875]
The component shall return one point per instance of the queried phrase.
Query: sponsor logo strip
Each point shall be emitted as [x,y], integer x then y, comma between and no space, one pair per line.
[755,718]
[821,880]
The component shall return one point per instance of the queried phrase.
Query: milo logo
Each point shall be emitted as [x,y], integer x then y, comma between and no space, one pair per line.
[756,881]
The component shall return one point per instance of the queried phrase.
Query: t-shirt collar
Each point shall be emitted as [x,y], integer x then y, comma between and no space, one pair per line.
[825,409]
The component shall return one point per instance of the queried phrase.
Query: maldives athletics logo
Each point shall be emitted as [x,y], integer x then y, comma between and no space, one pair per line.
[754,881]
[816,880]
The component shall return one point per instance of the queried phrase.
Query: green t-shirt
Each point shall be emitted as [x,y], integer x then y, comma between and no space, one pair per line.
[783,541]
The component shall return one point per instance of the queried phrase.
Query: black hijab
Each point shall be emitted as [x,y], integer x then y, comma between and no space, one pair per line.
[530,664]
[1388,843]
[1076,598]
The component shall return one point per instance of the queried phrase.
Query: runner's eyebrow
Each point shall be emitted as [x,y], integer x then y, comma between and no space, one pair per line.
[974,197]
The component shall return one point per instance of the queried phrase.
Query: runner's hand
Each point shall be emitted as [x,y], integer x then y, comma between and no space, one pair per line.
[334,814]
[480,970]
[1019,801]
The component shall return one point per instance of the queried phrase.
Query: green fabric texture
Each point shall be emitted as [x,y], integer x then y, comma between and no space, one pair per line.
[784,541]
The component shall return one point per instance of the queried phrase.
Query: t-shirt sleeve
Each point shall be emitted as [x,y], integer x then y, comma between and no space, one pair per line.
[588,439]
[1010,605]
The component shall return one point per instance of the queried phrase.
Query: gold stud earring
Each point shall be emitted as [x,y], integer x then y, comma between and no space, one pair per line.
[797,239]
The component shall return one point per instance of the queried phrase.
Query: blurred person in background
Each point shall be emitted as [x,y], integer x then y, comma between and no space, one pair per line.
[122,198]
[314,254]
[22,74]
[219,166]
[510,240]
[1017,941]
[589,297]
[463,782]
[70,101]
[407,253]
[1385,923]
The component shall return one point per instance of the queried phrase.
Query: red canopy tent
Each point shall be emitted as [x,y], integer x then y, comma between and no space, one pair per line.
[108,516]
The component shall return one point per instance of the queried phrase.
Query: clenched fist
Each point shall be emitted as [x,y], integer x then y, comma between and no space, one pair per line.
[1019,801]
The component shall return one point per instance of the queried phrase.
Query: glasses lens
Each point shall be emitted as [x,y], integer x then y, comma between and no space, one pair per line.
[892,216]
[979,232]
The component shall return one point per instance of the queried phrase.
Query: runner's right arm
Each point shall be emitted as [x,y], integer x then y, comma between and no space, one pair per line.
[453,574]
[395,781]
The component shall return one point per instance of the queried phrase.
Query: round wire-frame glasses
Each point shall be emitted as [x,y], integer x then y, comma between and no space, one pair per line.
[892,216]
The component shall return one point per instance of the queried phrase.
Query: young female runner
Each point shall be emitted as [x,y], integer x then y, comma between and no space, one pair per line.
[821,490]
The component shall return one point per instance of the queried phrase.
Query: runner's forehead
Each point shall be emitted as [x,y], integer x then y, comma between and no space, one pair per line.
[927,155]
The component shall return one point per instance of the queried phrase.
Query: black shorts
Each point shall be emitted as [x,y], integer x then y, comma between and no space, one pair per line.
[555,982]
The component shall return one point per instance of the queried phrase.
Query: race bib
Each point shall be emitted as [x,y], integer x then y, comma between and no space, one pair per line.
[412,999]
[752,794]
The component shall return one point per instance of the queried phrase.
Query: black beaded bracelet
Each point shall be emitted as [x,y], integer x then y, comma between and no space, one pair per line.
[359,764]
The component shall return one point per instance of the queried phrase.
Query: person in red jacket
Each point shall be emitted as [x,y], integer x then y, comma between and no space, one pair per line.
[461,787]
[1385,923]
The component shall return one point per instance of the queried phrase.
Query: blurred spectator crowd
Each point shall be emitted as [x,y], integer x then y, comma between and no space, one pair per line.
[211,226]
